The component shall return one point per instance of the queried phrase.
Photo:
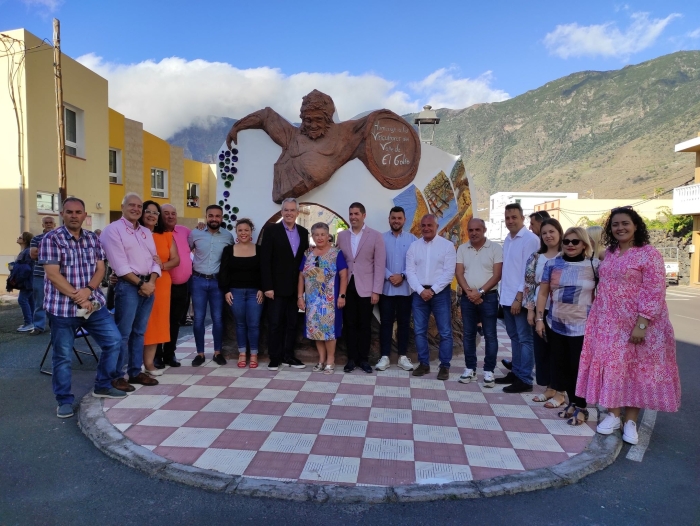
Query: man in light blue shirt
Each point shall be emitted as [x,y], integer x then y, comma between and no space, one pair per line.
[208,245]
[395,301]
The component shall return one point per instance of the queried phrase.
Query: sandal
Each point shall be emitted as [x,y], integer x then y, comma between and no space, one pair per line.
[543,397]
[242,360]
[553,403]
[330,369]
[253,364]
[567,412]
[318,367]
[579,417]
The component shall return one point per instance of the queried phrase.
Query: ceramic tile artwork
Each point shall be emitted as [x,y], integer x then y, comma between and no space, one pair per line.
[387,428]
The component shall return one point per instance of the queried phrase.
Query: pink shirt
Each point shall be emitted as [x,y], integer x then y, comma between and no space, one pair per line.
[183,271]
[129,249]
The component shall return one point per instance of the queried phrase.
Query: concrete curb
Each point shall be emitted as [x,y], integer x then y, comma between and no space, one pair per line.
[600,453]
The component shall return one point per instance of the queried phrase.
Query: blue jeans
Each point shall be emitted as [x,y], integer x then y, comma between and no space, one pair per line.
[39,315]
[522,345]
[440,306]
[487,314]
[247,312]
[103,330]
[207,291]
[394,308]
[131,312]
[26,303]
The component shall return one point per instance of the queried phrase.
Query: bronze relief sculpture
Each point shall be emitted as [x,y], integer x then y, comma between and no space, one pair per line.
[387,145]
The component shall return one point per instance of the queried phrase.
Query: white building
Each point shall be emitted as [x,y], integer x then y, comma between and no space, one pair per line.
[496,226]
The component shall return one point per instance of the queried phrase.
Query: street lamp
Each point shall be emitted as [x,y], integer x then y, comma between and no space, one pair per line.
[427,119]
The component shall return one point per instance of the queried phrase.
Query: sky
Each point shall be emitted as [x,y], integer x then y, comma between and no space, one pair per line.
[172,64]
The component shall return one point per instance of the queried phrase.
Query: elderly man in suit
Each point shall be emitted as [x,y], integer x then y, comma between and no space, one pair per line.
[364,251]
[281,251]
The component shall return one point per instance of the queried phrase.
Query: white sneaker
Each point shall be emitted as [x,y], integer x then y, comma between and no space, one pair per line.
[383,364]
[154,372]
[25,328]
[629,432]
[489,379]
[405,363]
[467,376]
[609,424]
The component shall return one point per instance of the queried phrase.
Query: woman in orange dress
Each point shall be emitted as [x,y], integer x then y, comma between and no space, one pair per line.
[158,329]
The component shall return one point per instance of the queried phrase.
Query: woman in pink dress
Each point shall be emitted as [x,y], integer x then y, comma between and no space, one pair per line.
[629,351]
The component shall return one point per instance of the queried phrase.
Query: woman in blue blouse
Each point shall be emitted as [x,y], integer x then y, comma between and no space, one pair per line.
[570,279]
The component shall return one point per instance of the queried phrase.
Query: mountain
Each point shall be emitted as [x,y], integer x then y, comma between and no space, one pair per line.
[601,133]
[610,134]
[202,140]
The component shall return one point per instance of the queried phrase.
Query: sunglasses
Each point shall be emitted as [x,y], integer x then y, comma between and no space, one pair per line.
[573,242]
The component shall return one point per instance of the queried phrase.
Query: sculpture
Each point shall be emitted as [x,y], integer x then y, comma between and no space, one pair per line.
[387,145]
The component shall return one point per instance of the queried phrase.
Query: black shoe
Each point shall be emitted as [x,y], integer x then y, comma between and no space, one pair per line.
[219,359]
[508,364]
[421,370]
[198,360]
[273,365]
[349,367]
[479,330]
[510,378]
[173,363]
[518,387]
[366,367]
[443,374]
[158,363]
[36,332]
[294,363]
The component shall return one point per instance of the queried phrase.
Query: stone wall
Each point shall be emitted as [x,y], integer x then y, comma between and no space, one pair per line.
[663,239]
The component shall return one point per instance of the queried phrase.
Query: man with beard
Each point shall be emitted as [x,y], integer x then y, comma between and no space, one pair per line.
[208,245]
[312,152]
[395,301]
[39,318]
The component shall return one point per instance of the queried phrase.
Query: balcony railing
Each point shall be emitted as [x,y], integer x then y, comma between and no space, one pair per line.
[686,199]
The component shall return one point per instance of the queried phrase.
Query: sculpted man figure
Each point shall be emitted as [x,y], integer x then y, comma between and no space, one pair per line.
[313,152]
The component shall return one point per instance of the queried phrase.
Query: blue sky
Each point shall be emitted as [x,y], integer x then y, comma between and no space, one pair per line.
[240,56]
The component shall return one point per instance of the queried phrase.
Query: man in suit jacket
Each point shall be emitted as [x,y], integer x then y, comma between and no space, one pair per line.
[363,248]
[281,251]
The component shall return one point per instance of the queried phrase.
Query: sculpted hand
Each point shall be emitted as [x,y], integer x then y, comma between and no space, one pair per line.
[375,298]
[229,298]
[270,294]
[232,137]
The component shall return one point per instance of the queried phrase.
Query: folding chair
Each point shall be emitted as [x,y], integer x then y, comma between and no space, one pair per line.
[79,333]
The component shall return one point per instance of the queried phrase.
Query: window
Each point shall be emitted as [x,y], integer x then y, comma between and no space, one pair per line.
[159,183]
[193,195]
[73,119]
[115,166]
[517,201]
[47,203]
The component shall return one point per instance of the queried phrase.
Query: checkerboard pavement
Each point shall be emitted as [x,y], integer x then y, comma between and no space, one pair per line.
[384,429]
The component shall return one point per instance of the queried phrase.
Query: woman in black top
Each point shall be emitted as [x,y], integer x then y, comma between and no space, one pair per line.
[239,277]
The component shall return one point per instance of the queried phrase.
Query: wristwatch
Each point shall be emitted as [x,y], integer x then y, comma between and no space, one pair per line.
[140,284]
[642,326]
[92,289]
[342,296]
[403,276]
[482,292]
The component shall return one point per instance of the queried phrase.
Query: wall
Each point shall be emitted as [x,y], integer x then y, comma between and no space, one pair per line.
[117,140]
[193,173]
[662,239]
[156,154]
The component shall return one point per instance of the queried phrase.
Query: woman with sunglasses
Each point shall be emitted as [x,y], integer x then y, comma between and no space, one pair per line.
[551,235]
[324,280]
[158,329]
[571,280]
[629,352]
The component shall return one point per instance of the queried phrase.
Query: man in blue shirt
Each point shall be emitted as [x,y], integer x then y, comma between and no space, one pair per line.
[395,301]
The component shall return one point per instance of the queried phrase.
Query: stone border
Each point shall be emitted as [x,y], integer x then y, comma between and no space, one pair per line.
[600,453]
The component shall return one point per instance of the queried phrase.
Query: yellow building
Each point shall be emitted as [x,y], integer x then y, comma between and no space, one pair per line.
[107,154]
[686,200]
[573,212]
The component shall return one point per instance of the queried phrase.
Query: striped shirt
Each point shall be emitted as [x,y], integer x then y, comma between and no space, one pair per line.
[77,260]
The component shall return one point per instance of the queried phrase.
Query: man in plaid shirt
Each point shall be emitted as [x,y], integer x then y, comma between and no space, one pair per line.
[74,263]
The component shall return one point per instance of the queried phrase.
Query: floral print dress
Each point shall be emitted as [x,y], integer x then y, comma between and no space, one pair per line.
[321,285]
[613,372]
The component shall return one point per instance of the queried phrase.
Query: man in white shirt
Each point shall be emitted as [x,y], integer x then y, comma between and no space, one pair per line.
[517,248]
[479,266]
[430,268]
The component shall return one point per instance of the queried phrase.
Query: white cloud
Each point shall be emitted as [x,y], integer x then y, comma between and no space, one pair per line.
[694,34]
[172,94]
[443,90]
[49,5]
[606,40]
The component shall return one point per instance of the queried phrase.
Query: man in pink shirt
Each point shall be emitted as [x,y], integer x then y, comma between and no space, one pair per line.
[130,250]
[179,291]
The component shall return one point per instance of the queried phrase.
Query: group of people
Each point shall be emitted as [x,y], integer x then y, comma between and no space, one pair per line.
[588,313]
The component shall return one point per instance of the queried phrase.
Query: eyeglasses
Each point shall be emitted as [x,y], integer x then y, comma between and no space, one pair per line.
[152,212]
[573,242]
[318,262]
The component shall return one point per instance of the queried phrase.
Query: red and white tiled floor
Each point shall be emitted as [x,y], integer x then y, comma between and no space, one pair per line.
[385,429]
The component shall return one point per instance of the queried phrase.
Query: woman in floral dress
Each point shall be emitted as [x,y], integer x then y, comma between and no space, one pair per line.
[629,352]
[324,279]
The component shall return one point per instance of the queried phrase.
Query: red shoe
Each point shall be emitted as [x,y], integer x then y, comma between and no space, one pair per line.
[254,364]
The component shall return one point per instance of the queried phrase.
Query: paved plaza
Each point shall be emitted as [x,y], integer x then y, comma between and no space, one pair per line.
[384,429]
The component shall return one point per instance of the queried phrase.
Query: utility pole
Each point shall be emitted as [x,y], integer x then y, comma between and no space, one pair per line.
[62,190]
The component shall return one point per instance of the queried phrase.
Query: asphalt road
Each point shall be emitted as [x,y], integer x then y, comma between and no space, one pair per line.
[51,474]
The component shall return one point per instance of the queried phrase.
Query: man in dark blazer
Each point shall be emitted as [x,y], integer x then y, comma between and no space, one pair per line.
[281,251]
[363,249]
